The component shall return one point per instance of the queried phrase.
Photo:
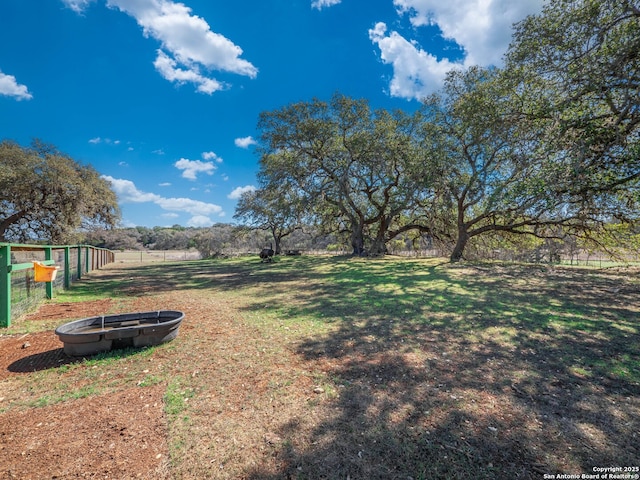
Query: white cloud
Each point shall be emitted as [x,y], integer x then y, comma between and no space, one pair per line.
[164,184]
[127,224]
[416,73]
[191,168]
[158,151]
[319,4]
[482,28]
[211,156]
[187,43]
[168,68]
[237,192]
[194,207]
[77,6]
[199,221]
[127,192]
[108,141]
[10,87]
[245,142]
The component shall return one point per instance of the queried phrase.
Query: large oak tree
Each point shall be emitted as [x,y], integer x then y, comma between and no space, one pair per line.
[490,164]
[46,195]
[549,145]
[576,70]
[359,170]
[275,208]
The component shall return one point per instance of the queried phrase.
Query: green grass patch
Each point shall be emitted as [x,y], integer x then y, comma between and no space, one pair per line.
[176,397]
[338,367]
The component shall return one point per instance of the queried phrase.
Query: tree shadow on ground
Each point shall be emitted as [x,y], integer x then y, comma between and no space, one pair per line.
[439,371]
[466,411]
[475,378]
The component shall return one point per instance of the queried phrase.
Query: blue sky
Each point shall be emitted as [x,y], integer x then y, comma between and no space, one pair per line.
[162,97]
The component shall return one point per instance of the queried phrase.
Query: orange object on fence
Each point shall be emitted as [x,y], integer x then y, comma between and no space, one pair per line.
[44,273]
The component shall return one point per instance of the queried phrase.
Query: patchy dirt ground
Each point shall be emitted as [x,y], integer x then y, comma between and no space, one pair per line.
[234,398]
[122,435]
[122,430]
[23,354]
[116,436]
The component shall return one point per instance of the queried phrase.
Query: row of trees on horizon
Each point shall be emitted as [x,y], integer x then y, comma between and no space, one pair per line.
[225,240]
[545,149]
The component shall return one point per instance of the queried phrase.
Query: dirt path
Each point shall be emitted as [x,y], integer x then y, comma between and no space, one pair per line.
[121,428]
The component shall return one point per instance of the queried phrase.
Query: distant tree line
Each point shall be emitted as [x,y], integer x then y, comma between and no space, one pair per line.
[222,239]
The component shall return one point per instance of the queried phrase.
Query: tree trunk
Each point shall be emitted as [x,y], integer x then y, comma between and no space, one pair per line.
[276,240]
[461,243]
[7,222]
[378,246]
[357,239]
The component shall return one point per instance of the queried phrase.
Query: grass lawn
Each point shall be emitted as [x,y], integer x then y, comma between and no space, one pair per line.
[337,367]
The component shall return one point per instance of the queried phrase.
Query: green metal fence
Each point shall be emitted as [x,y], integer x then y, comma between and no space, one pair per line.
[19,290]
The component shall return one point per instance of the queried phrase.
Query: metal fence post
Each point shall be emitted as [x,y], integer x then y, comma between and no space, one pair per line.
[5,285]
[48,255]
[67,268]
[79,272]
